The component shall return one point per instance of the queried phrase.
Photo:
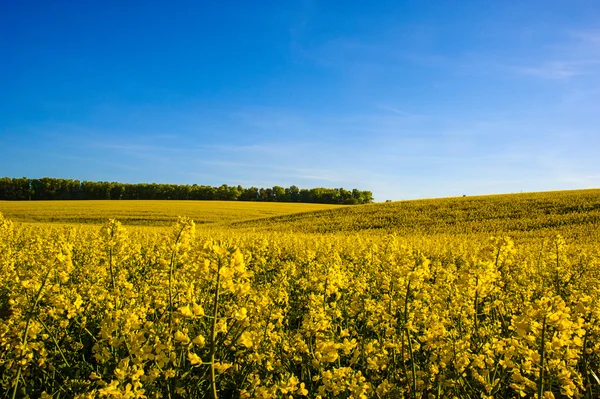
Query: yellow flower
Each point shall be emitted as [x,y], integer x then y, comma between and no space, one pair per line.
[245,339]
[199,340]
[182,337]
[240,314]
[226,272]
[302,391]
[197,310]
[186,311]
[222,367]
[193,358]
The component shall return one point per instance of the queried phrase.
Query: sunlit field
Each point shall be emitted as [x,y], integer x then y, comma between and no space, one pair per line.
[470,297]
[148,212]
[529,214]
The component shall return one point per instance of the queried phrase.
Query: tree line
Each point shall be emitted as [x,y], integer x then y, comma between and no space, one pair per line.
[47,188]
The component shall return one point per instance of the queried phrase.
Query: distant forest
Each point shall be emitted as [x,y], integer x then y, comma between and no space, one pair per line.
[22,189]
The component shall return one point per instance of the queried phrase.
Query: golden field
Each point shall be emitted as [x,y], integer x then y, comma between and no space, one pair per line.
[474,297]
[515,214]
[148,212]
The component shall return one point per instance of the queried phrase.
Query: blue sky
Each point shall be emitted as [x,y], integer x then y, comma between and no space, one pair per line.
[408,99]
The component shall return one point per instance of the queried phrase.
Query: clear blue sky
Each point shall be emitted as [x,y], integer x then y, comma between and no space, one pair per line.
[407,99]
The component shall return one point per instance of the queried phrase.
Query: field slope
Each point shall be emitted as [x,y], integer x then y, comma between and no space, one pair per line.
[492,214]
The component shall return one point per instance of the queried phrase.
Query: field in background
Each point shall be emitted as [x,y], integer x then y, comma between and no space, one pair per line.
[567,212]
[471,297]
[148,212]
[516,214]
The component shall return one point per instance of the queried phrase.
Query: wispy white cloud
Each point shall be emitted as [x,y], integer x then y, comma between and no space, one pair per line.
[590,36]
[575,53]
[267,117]
[234,164]
[138,147]
[99,162]
[402,112]
[560,69]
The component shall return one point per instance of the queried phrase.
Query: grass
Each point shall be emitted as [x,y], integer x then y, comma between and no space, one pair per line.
[150,213]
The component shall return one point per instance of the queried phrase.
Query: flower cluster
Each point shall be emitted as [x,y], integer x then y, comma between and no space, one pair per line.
[191,313]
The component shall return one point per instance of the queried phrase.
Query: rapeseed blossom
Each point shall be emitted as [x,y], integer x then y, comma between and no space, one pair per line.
[143,313]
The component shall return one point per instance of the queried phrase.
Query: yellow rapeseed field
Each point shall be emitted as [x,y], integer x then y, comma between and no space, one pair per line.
[148,212]
[482,297]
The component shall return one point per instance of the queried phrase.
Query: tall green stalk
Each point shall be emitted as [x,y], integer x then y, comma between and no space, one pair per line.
[26,332]
[171,272]
[542,360]
[213,333]
[410,349]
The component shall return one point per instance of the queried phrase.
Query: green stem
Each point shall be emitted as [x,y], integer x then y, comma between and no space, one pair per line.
[412,364]
[475,318]
[26,332]
[542,360]
[53,339]
[410,349]
[110,265]
[213,334]
[171,272]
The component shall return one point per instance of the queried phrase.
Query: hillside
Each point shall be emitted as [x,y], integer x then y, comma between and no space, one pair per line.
[491,214]
[568,211]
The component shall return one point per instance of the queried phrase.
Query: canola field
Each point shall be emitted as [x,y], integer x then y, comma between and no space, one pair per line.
[475,297]
[148,212]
